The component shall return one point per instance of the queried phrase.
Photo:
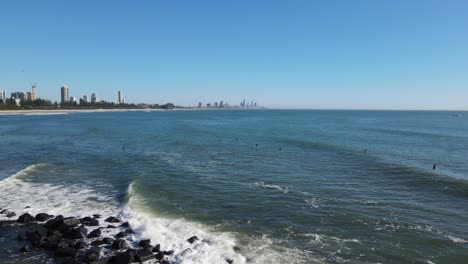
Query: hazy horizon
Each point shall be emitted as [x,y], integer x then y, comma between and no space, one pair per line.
[359,55]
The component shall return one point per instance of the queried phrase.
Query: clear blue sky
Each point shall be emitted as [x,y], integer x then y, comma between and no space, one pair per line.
[290,54]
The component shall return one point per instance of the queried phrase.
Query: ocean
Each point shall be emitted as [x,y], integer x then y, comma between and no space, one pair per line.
[256,186]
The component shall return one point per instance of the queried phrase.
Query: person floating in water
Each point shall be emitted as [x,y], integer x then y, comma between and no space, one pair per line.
[365,151]
[280,148]
[256,145]
[434,167]
[123,148]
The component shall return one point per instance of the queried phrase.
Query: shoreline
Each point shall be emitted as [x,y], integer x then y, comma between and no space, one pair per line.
[68,111]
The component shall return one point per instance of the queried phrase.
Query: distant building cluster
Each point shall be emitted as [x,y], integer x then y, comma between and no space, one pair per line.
[20,96]
[223,104]
[66,98]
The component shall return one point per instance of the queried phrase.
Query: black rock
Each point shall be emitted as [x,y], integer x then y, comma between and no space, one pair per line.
[92,222]
[169,252]
[145,243]
[79,233]
[42,231]
[95,233]
[65,252]
[53,232]
[112,219]
[192,239]
[125,224]
[38,241]
[159,256]
[70,221]
[26,248]
[230,261]
[41,217]
[26,218]
[59,217]
[236,248]
[111,226]
[97,243]
[129,231]
[121,235]
[80,245]
[10,214]
[94,254]
[145,256]
[126,257]
[119,244]
[3,211]
[157,248]
[87,218]
[107,240]
[96,216]
[7,223]
[27,206]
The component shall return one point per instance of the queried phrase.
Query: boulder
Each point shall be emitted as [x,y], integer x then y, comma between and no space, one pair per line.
[80,245]
[119,244]
[92,222]
[121,235]
[145,243]
[129,231]
[97,243]
[126,257]
[107,240]
[111,226]
[7,223]
[125,224]
[26,248]
[169,252]
[94,254]
[157,248]
[230,261]
[26,219]
[10,214]
[192,239]
[42,231]
[95,233]
[145,256]
[96,216]
[65,252]
[112,219]
[159,256]
[79,233]
[42,217]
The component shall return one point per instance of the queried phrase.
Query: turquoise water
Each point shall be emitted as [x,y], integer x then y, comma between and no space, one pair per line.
[284,186]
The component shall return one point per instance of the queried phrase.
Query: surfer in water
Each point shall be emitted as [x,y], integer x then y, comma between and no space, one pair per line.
[365,151]
[123,148]
[434,167]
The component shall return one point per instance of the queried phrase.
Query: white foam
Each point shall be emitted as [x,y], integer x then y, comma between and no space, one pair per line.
[457,239]
[284,189]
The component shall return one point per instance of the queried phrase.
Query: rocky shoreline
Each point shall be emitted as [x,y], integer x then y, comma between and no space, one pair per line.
[90,239]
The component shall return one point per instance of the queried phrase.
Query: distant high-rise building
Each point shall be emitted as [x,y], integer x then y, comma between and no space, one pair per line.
[221,104]
[33,92]
[72,99]
[121,98]
[18,95]
[93,98]
[208,105]
[64,94]
[199,105]
[216,104]
[85,98]
[28,96]
[2,95]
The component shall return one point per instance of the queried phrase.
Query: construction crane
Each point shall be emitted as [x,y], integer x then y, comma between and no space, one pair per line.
[33,87]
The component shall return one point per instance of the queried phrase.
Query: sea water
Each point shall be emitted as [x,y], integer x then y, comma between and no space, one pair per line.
[256,186]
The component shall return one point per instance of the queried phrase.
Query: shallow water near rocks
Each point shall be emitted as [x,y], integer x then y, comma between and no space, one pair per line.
[263,186]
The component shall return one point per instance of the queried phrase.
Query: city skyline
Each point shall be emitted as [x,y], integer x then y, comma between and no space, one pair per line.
[332,55]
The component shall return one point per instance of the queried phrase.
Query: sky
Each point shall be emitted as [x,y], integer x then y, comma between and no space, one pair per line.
[329,54]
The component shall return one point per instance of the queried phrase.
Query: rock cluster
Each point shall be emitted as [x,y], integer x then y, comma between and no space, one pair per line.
[68,239]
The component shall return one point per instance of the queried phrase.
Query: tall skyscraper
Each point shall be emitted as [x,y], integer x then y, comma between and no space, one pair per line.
[93,98]
[199,105]
[28,96]
[72,99]
[33,92]
[64,94]
[121,98]
[18,95]
[85,98]
[2,95]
